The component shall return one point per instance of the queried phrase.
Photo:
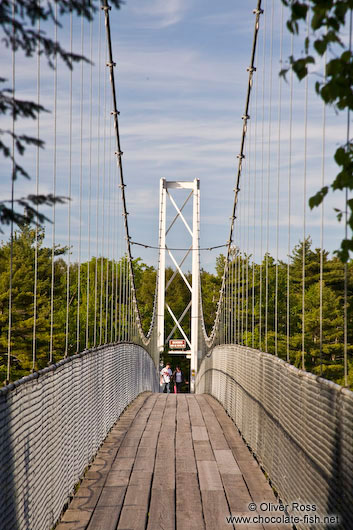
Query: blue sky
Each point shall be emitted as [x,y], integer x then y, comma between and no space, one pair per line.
[181,79]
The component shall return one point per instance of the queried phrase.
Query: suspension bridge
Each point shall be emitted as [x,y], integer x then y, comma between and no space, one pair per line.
[262,435]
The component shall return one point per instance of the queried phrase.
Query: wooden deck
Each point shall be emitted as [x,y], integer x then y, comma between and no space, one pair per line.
[170,462]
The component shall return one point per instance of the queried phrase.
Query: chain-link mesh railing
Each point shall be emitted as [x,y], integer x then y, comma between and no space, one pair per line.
[52,424]
[299,426]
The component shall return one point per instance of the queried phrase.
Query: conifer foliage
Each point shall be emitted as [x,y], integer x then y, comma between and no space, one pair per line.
[105,302]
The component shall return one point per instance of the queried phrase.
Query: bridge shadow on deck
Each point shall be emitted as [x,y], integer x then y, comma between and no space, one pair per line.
[170,462]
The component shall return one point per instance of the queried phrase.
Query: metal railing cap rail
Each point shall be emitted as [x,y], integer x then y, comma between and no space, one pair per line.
[304,374]
[53,367]
[298,371]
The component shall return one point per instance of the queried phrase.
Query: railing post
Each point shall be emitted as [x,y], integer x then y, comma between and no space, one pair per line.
[195,306]
[161,268]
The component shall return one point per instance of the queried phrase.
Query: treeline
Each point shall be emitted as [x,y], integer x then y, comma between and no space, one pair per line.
[253,307]
[76,307]
[256,307]
[255,311]
[68,318]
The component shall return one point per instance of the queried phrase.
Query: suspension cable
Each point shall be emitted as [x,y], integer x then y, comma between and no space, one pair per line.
[34,338]
[242,229]
[119,153]
[103,203]
[247,234]
[258,11]
[254,213]
[69,208]
[278,179]
[116,200]
[322,217]
[232,293]
[268,181]
[98,179]
[144,245]
[120,283]
[80,200]
[304,202]
[90,182]
[107,319]
[346,237]
[289,200]
[262,169]
[54,187]
[113,263]
[13,177]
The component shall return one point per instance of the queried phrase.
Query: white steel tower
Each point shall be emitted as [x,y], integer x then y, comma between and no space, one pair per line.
[194,288]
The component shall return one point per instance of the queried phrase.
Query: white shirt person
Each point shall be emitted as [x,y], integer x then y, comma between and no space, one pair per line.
[166,374]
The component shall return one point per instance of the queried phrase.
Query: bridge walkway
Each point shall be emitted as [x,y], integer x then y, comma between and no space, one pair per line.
[170,462]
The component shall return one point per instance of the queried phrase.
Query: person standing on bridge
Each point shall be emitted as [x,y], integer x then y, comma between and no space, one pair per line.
[166,374]
[178,379]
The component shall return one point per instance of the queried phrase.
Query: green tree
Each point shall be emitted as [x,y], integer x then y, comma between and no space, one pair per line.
[332,326]
[145,282]
[23,301]
[327,19]
[210,287]
[19,31]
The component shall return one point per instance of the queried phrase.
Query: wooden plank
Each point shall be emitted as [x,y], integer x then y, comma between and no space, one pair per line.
[90,493]
[162,502]
[199,433]
[118,478]
[127,452]
[253,478]
[131,441]
[93,483]
[226,462]
[184,451]
[237,494]
[162,509]
[256,482]
[112,496]
[138,495]
[107,449]
[144,464]
[218,441]
[136,478]
[185,462]
[214,502]
[108,471]
[103,460]
[215,433]
[97,472]
[136,502]
[215,510]
[105,518]
[209,476]
[165,448]
[189,515]
[132,518]
[86,503]
[203,450]
[77,518]
[122,463]
[68,525]
[182,415]
[183,440]
[164,480]
[138,491]
[194,411]
[234,497]
[175,466]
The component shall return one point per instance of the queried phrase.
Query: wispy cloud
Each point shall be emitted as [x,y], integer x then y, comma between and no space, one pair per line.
[161,13]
